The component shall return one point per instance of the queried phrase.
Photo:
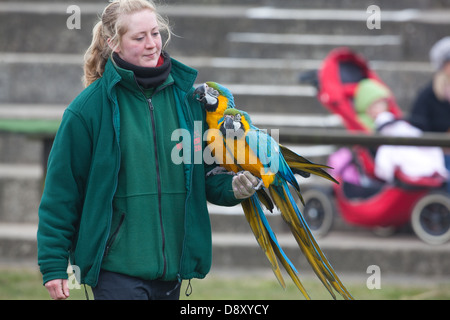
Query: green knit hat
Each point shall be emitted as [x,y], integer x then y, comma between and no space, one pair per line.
[368,92]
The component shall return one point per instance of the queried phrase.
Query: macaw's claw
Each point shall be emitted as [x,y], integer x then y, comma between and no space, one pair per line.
[259,185]
[219,170]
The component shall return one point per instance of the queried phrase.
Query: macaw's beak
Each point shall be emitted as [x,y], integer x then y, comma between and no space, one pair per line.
[208,97]
[228,123]
[201,92]
[231,128]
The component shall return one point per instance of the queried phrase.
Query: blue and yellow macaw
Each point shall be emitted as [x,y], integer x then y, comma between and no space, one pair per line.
[239,146]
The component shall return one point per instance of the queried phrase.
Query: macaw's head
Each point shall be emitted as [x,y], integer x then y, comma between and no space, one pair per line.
[232,125]
[209,93]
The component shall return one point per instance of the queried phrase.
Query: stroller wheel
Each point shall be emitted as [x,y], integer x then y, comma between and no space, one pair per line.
[430,218]
[318,211]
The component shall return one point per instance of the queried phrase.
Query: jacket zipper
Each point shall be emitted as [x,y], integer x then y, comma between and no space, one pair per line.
[188,194]
[114,235]
[158,179]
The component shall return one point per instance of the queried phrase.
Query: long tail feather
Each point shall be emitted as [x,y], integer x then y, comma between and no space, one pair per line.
[313,169]
[262,230]
[291,272]
[280,253]
[297,162]
[262,237]
[265,199]
[319,263]
[300,235]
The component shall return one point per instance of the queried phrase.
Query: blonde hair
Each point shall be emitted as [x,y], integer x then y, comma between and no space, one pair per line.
[111,27]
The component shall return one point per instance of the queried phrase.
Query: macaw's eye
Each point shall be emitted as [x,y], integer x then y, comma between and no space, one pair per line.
[237,117]
[213,92]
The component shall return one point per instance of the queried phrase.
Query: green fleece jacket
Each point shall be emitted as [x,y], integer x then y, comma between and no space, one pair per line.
[147,228]
[76,210]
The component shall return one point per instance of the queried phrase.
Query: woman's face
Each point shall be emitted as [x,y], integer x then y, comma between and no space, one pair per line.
[141,44]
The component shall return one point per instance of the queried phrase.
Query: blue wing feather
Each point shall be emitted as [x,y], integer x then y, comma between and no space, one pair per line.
[268,151]
[262,216]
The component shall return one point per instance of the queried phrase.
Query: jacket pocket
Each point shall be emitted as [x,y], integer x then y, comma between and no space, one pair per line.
[114,235]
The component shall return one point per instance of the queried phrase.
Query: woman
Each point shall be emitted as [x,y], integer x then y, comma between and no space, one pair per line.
[115,204]
[431,108]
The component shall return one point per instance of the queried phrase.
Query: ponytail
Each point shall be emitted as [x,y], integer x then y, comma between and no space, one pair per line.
[96,56]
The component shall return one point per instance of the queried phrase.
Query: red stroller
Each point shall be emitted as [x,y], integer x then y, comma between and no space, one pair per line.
[381,206]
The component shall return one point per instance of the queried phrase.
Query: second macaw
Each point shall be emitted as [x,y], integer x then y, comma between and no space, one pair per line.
[241,146]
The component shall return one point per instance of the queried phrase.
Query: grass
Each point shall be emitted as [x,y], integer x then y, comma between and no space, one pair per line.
[267,288]
[26,284]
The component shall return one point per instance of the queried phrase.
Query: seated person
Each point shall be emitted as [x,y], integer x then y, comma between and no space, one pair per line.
[371,104]
[431,109]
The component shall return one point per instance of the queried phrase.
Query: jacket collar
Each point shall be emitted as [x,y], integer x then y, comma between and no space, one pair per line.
[128,80]
[183,76]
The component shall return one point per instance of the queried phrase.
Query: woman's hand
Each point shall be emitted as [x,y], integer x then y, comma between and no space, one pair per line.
[58,289]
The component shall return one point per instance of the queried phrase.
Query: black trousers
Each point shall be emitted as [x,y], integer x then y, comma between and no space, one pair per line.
[116,286]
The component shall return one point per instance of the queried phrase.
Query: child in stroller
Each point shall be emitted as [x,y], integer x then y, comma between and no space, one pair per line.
[417,163]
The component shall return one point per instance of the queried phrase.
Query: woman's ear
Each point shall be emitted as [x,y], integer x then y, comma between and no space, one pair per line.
[113,46]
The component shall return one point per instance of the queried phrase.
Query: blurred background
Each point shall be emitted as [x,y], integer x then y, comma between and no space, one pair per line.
[257,48]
